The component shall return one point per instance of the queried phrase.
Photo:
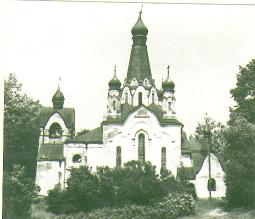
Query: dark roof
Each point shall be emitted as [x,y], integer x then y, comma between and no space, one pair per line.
[127,109]
[139,65]
[91,137]
[189,146]
[139,28]
[186,173]
[198,153]
[199,158]
[51,152]
[68,115]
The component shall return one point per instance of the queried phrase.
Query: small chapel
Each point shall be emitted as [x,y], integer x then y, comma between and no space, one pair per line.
[140,124]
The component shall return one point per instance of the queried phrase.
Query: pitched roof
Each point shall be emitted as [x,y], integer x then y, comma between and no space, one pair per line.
[51,152]
[189,146]
[199,153]
[68,115]
[94,136]
[186,172]
[199,158]
[127,109]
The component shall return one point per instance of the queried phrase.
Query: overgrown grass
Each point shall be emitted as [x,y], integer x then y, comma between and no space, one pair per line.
[39,210]
[204,209]
[217,208]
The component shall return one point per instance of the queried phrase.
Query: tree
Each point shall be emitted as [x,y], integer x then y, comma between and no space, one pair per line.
[211,134]
[240,136]
[21,129]
[244,92]
[83,188]
[138,183]
[240,167]
[18,193]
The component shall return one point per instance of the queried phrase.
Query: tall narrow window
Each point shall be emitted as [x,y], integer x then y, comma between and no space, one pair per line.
[59,178]
[140,98]
[126,97]
[114,105]
[169,106]
[163,157]
[153,98]
[118,156]
[141,147]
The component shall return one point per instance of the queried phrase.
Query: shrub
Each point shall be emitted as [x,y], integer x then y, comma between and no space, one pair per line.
[134,183]
[177,204]
[172,206]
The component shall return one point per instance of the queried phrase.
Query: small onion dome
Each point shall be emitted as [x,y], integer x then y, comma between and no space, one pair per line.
[58,99]
[115,83]
[139,28]
[168,85]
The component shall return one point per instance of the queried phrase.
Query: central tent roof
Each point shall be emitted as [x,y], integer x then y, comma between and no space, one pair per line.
[139,65]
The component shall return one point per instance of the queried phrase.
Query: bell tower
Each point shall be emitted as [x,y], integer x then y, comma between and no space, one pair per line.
[113,106]
[168,102]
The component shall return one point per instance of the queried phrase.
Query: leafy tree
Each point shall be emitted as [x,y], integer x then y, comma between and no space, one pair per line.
[213,132]
[244,92]
[83,188]
[18,193]
[21,129]
[240,136]
[240,167]
[138,183]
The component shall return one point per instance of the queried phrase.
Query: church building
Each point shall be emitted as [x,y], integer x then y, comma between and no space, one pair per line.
[140,124]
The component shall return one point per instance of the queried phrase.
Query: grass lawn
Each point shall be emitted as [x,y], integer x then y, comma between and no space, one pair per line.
[204,209]
[216,208]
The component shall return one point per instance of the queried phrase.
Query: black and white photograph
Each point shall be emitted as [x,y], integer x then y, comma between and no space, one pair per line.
[128,110]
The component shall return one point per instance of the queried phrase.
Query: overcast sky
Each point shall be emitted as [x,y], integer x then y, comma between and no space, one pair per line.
[80,42]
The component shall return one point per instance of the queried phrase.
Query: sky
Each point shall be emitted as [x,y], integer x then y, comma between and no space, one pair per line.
[80,42]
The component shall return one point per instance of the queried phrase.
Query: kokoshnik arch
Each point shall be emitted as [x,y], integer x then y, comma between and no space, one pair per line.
[140,124]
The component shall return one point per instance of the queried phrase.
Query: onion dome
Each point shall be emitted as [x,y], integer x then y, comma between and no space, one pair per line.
[168,84]
[114,83]
[58,100]
[139,28]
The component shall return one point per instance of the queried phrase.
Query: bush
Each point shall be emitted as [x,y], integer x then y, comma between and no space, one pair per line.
[136,183]
[172,206]
[18,193]
[178,204]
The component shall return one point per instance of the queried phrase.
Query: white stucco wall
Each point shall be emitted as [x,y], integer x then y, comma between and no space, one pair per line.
[156,137]
[203,175]
[49,174]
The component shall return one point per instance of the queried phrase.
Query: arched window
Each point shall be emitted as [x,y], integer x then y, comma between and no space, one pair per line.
[153,98]
[126,97]
[118,156]
[169,106]
[163,157]
[140,98]
[114,105]
[211,184]
[55,131]
[141,147]
[77,158]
